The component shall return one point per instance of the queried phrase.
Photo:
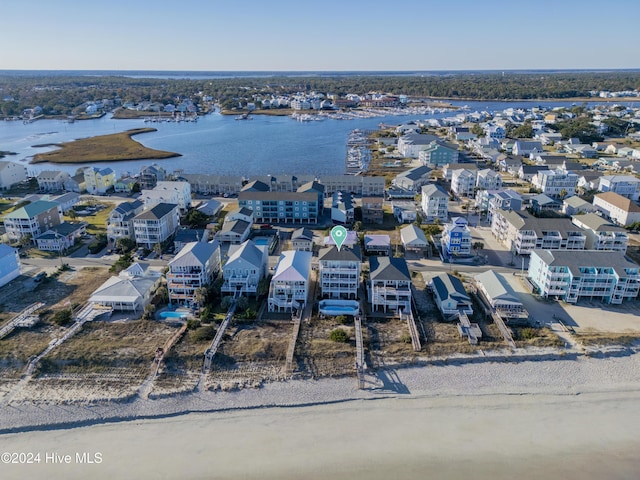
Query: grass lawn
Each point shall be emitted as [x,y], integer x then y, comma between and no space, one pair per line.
[103,148]
[97,223]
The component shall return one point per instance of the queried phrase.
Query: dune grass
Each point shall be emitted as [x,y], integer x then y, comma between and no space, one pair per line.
[103,148]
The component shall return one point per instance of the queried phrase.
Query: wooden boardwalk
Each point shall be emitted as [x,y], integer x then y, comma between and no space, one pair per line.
[292,344]
[25,318]
[413,330]
[361,366]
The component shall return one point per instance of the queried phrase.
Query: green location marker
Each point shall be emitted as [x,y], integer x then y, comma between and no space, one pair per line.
[339,235]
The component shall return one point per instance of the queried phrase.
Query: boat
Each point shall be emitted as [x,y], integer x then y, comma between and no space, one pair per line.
[244,116]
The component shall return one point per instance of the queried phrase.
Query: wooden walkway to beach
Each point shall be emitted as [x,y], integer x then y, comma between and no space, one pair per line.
[361,366]
[25,318]
[215,343]
[413,330]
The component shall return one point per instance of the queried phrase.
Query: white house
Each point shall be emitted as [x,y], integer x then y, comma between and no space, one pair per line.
[290,282]
[342,208]
[463,182]
[245,267]
[52,180]
[620,209]
[178,193]
[131,290]
[340,272]
[601,234]
[435,203]
[488,179]
[404,211]
[194,267]
[11,173]
[500,295]
[625,185]
[302,239]
[556,182]
[156,225]
[525,148]
[413,239]
[411,144]
[120,221]
[9,264]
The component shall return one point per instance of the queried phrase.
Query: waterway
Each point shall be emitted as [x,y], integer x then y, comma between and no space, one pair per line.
[218,144]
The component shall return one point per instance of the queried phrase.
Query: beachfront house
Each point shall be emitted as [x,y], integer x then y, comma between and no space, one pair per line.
[194,267]
[9,264]
[245,267]
[389,286]
[290,282]
[340,272]
[129,291]
[500,295]
[451,296]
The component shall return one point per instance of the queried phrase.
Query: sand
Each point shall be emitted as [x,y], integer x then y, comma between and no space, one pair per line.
[568,418]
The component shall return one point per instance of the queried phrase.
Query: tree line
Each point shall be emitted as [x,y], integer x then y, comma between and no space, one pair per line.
[60,94]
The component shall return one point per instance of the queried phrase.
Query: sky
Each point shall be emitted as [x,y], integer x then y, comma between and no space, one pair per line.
[328,35]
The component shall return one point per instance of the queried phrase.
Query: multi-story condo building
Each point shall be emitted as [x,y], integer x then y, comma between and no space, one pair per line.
[282,207]
[33,219]
[488,179]
[438,154]
[52,180]
[625,185]
[556,183]
[463,182]
[194,267]
[389,284]
[120,221]
[521,232]
[340,272]
[620,209]
[245,267]
[12,173]
[156,224]
[99,180]
[178,193]
[358,184]
[601,234]
[571,276]
[456,238]
[435,203]
[290,282]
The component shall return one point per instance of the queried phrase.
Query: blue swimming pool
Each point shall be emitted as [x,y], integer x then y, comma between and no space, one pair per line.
[261,241]
[173,315]
[339,307]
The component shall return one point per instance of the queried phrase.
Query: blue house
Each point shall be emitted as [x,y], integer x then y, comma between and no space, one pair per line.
[9,264]
[456,238]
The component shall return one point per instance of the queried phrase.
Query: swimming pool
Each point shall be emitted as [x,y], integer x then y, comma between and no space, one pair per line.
[261,241]
[339,307]
[173,315]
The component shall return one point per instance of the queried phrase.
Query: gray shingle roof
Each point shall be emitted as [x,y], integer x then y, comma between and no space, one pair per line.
[388,268]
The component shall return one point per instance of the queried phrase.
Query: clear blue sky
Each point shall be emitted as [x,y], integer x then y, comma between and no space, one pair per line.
[318,35]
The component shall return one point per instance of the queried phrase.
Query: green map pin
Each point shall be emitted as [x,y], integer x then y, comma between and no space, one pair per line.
[339,235]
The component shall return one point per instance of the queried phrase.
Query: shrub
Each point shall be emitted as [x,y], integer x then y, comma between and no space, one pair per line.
[62,317]
[527,333]
[193,323]
[242,303]
[406,338]
[202,334]
[339,335]
[250,314]
[343,320]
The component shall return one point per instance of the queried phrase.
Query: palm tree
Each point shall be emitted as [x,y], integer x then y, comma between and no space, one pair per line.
[477,246]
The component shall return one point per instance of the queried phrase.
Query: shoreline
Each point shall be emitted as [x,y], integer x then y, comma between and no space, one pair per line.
[455,377]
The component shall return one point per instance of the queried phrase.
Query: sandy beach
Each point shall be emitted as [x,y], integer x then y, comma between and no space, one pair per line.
[567,418]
